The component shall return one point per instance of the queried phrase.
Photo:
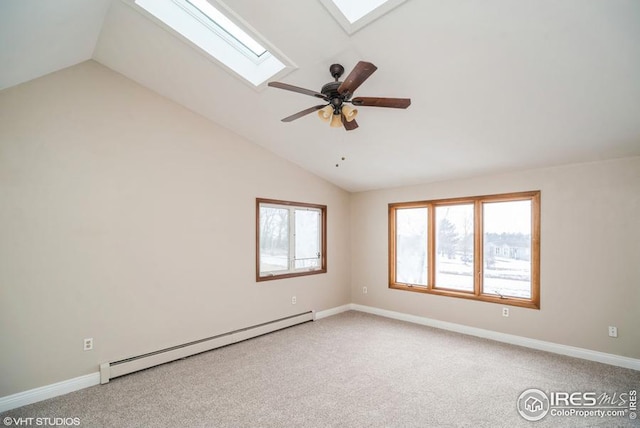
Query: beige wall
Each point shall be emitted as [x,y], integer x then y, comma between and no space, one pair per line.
[126,218]
[590,256]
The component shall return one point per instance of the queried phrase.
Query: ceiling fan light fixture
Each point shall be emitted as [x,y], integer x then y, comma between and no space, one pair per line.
[349,113]
[336,121]
[325,113]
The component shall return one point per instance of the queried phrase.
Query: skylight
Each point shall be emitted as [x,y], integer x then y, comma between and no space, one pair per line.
[225,24]
[355,14]
[356,9]
[214,32]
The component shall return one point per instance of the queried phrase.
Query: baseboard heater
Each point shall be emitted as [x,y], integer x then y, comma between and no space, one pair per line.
[129,365]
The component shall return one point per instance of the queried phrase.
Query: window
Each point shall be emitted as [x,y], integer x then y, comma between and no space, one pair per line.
[290,238]
[224,27]
[484,247]
[209,26]
[411,245]
[354,10]
[454,247]
[352,15]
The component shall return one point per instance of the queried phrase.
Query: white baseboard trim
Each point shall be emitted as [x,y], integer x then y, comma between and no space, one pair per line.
[60,388]
[48,391]
[571,351]
[333,311]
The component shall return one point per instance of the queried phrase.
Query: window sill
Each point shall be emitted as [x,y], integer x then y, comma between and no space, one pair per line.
[511,301]
[289,275]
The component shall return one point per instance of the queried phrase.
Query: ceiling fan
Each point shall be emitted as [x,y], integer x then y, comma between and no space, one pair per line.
[337,94]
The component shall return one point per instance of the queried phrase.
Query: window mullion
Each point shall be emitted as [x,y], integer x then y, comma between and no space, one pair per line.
[320,229]
[431,246]
[478,248]
[292,239]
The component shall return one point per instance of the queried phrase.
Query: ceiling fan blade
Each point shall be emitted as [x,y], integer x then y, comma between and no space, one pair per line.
[305,112]
[349,126]
[359,74]
[297,89]
[381,102]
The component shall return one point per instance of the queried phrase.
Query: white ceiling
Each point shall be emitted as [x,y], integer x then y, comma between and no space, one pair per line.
[496,85]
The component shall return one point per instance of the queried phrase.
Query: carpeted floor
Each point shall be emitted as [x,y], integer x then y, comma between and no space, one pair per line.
[349,370]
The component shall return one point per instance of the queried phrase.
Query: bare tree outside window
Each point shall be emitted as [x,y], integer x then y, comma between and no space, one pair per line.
[454,247]
[274,239]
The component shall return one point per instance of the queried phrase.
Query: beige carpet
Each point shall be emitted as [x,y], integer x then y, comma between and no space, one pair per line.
[349,370]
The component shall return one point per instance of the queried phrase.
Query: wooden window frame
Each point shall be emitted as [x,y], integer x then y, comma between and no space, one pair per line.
[323,239]
[477,294]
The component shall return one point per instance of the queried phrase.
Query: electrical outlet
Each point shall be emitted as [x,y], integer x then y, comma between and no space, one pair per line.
[613,331]
[88,344]
[364,290]
[505,312]
[294,300]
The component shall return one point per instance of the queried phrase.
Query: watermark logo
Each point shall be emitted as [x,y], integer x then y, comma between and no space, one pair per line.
[32,421]
[533,404]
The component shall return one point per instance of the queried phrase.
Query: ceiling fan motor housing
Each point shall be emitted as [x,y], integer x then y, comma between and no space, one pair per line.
[330,90]
[336,71]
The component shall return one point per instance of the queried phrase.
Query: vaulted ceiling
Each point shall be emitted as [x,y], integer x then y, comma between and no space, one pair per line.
[496,85]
